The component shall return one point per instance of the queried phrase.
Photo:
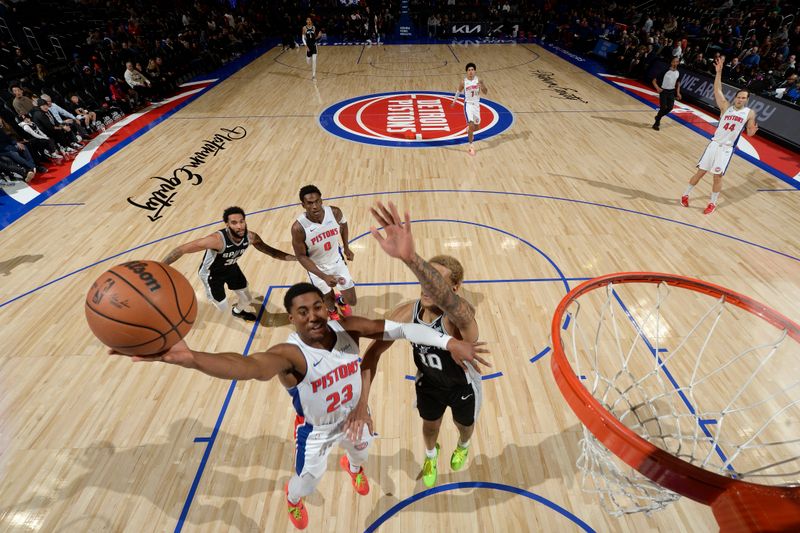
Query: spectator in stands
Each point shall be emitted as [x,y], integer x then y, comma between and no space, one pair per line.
[125,99]
[62,134]
[41,145]
[17,152]
[751,58]
[792,94]
[137,81]
[40,75]
[89,118]
[22,104]
[63,116]
[789,67]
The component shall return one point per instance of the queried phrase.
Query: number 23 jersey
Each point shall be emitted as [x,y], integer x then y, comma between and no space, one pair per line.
[332,384]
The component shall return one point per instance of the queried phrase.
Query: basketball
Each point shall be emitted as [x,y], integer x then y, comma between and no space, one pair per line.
[140,307]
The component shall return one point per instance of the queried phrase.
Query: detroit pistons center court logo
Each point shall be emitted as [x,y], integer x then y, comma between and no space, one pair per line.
[411,119]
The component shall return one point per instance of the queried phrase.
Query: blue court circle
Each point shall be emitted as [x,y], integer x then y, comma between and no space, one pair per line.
[477,485]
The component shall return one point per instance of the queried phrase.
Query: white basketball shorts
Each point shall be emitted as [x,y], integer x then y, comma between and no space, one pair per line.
[338,269]
[472,111]
[716,158]
[314,443]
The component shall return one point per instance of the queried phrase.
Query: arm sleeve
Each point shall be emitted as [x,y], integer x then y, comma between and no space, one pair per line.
[416,333]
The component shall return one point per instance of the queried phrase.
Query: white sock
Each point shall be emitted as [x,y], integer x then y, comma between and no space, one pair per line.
[353,468]
[431,453]
[714,197]
[688,190]
[463,444]
[244,298]
[314,65]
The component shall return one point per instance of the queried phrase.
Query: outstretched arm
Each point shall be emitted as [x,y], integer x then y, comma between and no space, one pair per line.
[722,102]
[388,330]
[399,243]
[262,366]
[210,242]
[265,248]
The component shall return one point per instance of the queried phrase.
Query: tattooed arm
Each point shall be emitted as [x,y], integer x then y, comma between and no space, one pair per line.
[399,243]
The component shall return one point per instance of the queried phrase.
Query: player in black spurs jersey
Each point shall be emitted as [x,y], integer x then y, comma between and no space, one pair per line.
[442,380]
[310,36]
[223,249]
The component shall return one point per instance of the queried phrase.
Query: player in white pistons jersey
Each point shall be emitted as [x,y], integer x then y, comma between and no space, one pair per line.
[472,88]
[316,235]
[318,365]
[717,155]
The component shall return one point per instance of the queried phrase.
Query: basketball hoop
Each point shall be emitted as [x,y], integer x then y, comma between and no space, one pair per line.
[684,388]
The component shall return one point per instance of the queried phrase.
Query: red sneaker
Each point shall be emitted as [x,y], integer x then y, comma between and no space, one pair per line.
[685,200]
[344,307]
[359,480]
[297,512]
[710,208]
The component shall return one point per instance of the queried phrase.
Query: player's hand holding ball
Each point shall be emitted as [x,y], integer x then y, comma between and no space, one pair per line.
[140,308]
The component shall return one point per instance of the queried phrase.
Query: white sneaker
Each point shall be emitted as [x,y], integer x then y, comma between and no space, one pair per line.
[54,155]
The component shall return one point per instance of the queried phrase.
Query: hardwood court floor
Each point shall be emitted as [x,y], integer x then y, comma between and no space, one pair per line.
[575,188]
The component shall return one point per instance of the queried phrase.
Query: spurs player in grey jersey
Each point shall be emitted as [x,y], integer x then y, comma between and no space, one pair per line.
[222,250]
[441,381]
[318,365]
[733,119]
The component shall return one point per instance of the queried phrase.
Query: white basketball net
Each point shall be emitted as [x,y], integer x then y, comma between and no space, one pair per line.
[706,381]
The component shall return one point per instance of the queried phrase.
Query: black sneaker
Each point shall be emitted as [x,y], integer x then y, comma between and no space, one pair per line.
[655,126]
[244,315]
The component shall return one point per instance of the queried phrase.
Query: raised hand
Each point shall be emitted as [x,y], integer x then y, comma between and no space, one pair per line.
[398,242]
[719,63]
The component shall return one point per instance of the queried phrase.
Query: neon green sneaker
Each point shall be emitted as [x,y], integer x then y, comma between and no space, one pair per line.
[429,469]
[458,458]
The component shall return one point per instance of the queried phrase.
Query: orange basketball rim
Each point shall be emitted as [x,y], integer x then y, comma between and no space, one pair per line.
[737,505]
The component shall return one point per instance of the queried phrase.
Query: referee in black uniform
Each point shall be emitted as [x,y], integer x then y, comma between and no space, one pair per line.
[668,89]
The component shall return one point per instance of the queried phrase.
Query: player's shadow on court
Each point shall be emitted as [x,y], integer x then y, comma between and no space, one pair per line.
[497,140]
[378,306]
[625,122]
[7,266]
[143,471]
[524,467]
[627,192]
